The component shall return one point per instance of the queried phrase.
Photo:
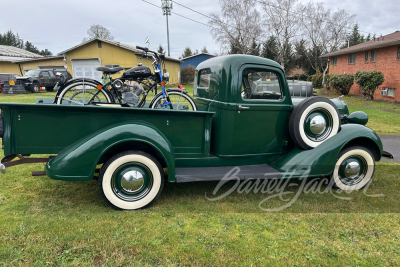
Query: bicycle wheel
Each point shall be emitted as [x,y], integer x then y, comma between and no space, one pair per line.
[180,100]
[80,93]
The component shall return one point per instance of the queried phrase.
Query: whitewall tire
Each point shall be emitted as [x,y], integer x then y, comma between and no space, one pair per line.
[131,180]
[314,121]
[354,169]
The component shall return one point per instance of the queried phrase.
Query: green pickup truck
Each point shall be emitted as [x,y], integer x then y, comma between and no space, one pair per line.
[238,123]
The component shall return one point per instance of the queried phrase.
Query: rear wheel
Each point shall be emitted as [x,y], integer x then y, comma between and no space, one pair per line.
[131,180]
[80,93]
[354,168]
[179,99]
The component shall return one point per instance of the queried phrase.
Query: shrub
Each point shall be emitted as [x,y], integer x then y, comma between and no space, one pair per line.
[341,82]
[187,74]
[369,81]
[316,80]
[327,81]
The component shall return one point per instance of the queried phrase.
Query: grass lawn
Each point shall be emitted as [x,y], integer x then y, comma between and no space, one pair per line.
[384,116]
[56,223]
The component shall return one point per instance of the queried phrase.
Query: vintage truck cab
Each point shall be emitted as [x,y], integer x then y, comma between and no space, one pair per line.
[246,117]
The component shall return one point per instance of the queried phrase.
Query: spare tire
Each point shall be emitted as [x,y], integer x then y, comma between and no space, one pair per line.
[314,121]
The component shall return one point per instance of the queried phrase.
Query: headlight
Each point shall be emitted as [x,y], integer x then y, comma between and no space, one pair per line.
[166,77]
[118,84]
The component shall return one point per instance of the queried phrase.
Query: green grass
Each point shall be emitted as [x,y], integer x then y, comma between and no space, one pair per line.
[45,222]
[384,116]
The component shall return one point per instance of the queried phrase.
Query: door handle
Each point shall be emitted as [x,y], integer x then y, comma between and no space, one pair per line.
[241,107]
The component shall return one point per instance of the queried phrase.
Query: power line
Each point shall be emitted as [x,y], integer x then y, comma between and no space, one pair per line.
[181,15]
[203,14]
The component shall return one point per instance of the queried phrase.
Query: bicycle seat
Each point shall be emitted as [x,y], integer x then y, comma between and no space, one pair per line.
[109,70]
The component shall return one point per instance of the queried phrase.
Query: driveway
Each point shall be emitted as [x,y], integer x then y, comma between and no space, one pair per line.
[391,144]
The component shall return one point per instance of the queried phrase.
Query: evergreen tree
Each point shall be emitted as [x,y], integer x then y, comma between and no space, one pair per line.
[31,48]
[160,50]
[255,49]
[45,53]
[269,49]
[187,52]
[355,37]
[12,39]
[204,50]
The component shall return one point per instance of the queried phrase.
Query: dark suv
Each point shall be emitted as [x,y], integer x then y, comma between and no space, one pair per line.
[34,79]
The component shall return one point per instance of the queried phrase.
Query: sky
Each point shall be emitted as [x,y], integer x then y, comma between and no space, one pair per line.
[60,25]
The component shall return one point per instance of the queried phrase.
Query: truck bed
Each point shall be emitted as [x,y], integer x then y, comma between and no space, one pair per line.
[48,129]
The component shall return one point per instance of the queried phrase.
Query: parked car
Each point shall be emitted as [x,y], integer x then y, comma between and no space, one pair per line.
[35,79]
[261,130]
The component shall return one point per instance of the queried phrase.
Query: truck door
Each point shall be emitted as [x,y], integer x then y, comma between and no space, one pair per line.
[45,78]
[262,111]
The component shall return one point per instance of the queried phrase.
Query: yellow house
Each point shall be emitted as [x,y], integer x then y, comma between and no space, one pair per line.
[82,60]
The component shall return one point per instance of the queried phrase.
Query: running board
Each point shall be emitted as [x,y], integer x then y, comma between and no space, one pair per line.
[184,175]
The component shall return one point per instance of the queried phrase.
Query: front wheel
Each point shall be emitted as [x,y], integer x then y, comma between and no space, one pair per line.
[35,87]
[179,100]
[131,180]
[354,168]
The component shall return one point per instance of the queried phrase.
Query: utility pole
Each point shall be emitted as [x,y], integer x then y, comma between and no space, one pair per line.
[166,6]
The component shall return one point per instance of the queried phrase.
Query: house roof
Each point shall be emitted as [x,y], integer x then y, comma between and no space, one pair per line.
[34,59]
[112,42]
[11,53]
[387,40]
[198,55]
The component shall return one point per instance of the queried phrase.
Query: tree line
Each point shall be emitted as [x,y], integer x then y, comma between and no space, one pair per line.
[12,39]
[287,31]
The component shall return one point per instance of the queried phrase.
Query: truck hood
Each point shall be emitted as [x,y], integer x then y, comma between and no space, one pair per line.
[341,105]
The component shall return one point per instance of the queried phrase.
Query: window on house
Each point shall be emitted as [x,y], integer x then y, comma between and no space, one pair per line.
[398,52]
[391,92]
[334,61]
[373,55]
[99,44]
[367,56]
[111,65]
[352,58]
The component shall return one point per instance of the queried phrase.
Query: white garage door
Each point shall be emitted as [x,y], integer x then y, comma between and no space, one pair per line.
[86,68]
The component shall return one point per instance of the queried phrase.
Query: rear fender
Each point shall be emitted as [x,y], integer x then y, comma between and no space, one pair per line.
[322,159]
[78,161]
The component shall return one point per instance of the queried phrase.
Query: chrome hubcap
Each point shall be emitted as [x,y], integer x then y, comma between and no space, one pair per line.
[317,124]
[132,181]
[352,170]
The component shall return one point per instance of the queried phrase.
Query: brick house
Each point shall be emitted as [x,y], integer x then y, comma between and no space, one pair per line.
[382,54]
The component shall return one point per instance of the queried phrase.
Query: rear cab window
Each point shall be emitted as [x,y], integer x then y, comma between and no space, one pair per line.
[260,84]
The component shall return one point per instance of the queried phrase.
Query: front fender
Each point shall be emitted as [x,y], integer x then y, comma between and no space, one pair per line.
[322,159]
[78,161]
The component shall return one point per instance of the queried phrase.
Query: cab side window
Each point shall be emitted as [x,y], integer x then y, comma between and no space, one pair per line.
[45,74]
[260,84]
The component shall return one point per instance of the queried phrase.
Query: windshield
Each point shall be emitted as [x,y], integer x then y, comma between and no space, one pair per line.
[32,73]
